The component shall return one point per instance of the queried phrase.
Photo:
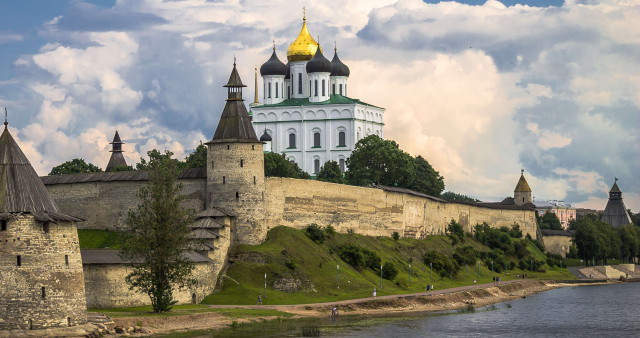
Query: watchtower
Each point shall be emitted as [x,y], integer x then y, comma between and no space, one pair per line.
[235,167]
[40,264]
[522,192]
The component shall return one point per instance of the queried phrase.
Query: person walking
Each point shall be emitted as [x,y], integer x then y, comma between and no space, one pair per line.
[374,291]
[259,299]
[474,281]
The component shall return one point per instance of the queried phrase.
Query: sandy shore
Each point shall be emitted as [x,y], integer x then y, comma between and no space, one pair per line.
[439,300]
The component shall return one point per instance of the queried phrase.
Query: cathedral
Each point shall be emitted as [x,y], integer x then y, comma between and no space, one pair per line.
[306,112]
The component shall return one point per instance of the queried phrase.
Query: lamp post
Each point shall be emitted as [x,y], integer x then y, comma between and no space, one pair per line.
[431,270]
[338,276]
[491,266]
[265,285]
[381,276]
[531,265]
[409,273]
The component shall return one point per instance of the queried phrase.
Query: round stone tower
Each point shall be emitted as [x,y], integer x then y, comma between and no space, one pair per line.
[40,263]
[522,192]
[235,168]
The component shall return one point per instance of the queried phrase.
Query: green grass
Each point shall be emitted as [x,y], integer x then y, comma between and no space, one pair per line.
[99,239]
[147,311]
[315,265]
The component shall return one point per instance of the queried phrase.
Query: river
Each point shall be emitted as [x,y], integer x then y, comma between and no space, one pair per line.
[581,311]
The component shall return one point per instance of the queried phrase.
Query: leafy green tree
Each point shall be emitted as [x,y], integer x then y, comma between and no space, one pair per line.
[389,271]
[123,168]
[378,161]
[549,221]
[452,196]
[330,172]
[75,166]
[158,238]
[198,158]
[428,180]
[155,155]
[588,238]
[635,218]
[630,241]
[315,233]
[277,165]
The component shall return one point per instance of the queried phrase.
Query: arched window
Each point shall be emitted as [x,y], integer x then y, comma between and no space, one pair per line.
[341,89]
[269,90]
[342,139]
[264,90]
[341,162]
[323,86]
[316,165]
[276,90]
[316,87]
[333,88]
[292,140]
[316,139]
[299,83]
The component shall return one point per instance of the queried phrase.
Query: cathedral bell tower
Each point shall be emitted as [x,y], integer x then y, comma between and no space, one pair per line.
[235,167]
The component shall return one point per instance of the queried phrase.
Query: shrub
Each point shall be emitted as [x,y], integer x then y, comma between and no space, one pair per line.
[515,231]
[389,271]
[455,228]
[395,235]
[291,264]
[465,255]
[440,263]
[330,230]
[352,255]
[350,231]
[371,259]
[314,232]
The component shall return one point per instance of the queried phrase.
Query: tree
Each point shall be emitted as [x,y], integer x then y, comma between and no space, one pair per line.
[155,155]
[198,158]
[549,221]
[158,239]
[378,161]
[75,166]
[123,168]
[428,180]
[277,165]
[452,196]
[330,172]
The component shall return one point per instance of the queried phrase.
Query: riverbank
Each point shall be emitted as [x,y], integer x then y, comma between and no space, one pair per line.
[439,300]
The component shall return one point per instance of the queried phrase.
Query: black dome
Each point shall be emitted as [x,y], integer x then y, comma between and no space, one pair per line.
[265,137]
[288,74]
[273,66]
[319,63]
[337,67]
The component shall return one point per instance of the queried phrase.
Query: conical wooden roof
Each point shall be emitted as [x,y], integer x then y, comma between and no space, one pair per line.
[21,190]
[522,185]
[616,213]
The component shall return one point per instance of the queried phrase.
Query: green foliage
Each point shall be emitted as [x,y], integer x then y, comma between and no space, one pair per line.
[395,235]
[277,165]
[329,230]
[515,231]
[158,239]
[315,233]
[466,255]
[494,238]
[596,240]
[330,172]
[75,166]
[427,180]
[198,158]
[371,259]
[389,271]
[452,196]
[378,161]
[440,263]
[100,239]
[156,157]
[123,168]
[456,232]
[352,255]
[549,221]
[635,218]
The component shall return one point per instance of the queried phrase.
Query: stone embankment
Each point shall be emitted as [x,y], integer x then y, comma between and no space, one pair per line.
[612,272]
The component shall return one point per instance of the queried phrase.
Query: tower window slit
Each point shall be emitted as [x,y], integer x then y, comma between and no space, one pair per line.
[44,293]
[277,90]
[66,260]
[68,321]
[228,147]
[237,195]
[316,87]
[19,260]
[333,88]
[340,87]
[3,225]
[254,180]
[224,179]
[241,163]
[211,164]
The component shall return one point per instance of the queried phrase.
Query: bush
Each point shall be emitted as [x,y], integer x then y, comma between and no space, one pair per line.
[371,259]
[515,231]
[465,255]
[395,235]
[291,264]
[314,232]
[352,255]
[389,271]
[455,228]
[330,231]
[440,263]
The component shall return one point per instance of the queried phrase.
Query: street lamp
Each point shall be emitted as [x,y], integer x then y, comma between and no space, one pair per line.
[381,276]
[431,270]
[338,276]
[409,273]
[265,285]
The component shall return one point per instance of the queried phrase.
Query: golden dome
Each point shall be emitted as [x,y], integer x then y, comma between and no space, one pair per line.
[304,47]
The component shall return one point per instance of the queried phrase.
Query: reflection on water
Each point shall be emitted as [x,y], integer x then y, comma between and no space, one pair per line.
[587,311]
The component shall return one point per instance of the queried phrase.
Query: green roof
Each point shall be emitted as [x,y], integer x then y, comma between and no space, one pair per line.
[334,99]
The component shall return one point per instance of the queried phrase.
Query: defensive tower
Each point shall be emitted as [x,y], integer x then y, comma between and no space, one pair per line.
[522,192]
[117,159]
[40,264]
[615,213]
[235,167]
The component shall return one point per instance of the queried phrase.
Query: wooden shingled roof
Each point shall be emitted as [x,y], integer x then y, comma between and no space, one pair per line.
[21,190]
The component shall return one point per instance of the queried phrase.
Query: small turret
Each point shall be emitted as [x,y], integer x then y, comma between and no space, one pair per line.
[117,158]
[266,142]
[522,192]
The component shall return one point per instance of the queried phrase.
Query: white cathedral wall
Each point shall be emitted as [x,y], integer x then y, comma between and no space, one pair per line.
[299,67]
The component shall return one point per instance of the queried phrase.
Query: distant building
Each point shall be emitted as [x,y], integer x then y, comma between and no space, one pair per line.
[615,213]
[564,211]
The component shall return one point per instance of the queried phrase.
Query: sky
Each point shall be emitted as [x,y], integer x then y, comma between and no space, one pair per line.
[481,89]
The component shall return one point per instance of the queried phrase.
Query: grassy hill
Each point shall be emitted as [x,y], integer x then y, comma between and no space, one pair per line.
[300,270]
